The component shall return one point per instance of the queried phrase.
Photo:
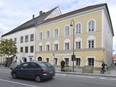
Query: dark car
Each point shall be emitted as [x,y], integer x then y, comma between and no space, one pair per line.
[38,71]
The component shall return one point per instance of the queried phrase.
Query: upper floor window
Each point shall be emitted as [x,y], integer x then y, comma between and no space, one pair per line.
[91,25]
[21,39]
[26,49]
[56,33]
[55,47]
[40,48]
[15,40]
[91,43]
[26,38]
[67,30]
[78,44]
[47,47]
[40,36]
[21,49]
[67,46]
[32,37]
[48,35]
[31,49]
[78,28]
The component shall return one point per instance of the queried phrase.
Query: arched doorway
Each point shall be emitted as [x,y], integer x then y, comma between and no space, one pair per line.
[39,58]
[24,59]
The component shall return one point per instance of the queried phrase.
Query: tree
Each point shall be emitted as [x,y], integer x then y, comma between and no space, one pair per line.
[8,48]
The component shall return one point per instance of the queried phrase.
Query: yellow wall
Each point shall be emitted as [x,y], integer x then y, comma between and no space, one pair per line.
[83,19]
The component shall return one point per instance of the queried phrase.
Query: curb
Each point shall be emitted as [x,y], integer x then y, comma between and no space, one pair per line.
[88,74]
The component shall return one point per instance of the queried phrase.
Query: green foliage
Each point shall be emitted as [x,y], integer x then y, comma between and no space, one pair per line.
[62,65]
[8,47]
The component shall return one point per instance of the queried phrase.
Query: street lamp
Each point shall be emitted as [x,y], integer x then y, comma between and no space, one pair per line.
[73,55]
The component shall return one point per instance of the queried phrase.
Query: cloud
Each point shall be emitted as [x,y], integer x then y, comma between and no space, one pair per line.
[15,12]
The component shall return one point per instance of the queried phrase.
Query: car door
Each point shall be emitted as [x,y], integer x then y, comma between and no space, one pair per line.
[33,70]
[23,71]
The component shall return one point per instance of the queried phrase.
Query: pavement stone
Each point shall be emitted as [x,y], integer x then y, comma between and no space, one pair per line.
[95,73]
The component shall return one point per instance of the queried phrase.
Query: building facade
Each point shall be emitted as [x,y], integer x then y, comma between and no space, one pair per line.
[91,25]
[54,37]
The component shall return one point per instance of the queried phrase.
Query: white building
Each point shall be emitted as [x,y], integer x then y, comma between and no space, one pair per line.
[24,35]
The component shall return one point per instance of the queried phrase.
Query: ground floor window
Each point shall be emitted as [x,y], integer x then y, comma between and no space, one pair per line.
[55,61]
[47,60]
[91,61]
[67,61]
[78,61]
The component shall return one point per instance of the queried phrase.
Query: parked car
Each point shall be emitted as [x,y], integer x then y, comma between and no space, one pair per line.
[14,64]
[38,71]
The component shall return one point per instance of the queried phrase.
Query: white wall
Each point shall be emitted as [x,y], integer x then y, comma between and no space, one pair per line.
[107,41]
[23,33]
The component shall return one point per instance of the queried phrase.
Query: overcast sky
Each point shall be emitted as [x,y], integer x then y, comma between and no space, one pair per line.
[15,12]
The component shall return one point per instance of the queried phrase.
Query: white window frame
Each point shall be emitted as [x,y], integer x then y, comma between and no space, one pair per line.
[91,38]
[56,36]
[48,34]
[80,29]
[65,32]
[56,42]
[40,36]
[94,25]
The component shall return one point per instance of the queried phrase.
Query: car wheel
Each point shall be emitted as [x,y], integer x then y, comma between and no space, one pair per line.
[38,78]
[14,76]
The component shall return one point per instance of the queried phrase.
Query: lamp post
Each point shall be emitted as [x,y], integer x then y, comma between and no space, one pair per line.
[73,27]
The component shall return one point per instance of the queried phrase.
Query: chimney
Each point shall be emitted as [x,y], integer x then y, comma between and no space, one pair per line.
[40,12]
[33,16]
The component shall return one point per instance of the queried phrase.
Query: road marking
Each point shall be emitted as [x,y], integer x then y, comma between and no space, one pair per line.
[18,83]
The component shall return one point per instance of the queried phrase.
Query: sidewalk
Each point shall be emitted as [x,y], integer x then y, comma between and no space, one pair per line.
[95,73]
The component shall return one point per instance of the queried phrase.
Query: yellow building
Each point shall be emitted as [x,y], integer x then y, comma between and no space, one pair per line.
[92,38]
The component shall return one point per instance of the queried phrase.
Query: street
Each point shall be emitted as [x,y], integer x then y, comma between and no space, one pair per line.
[60,80]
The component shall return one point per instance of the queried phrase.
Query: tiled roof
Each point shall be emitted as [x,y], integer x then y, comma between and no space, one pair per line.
[39,19]
[82,10]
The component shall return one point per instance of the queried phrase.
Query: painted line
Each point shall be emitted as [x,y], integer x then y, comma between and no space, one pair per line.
[18,83]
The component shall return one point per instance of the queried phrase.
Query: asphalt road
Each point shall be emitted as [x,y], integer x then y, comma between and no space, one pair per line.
[60,80]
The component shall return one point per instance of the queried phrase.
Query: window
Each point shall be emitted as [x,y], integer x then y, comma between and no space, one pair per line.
[32,37]
[67,61]
[48,35]
[56,33]
[40,36]
[25,65]
[91,26]
[40,48]
[15,40]
[47,47]
[47,60]
[33,65]
[78,45]
[91,61]
[31,49]
[26,49]
[21,49]
[67,30]
[55,61]
[78,28]
[55,47]
[67,46]
[90,43]
[26,38]
[21,39]
[78,61]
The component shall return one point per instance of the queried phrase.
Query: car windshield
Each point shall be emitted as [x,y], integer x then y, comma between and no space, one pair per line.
[47,64]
